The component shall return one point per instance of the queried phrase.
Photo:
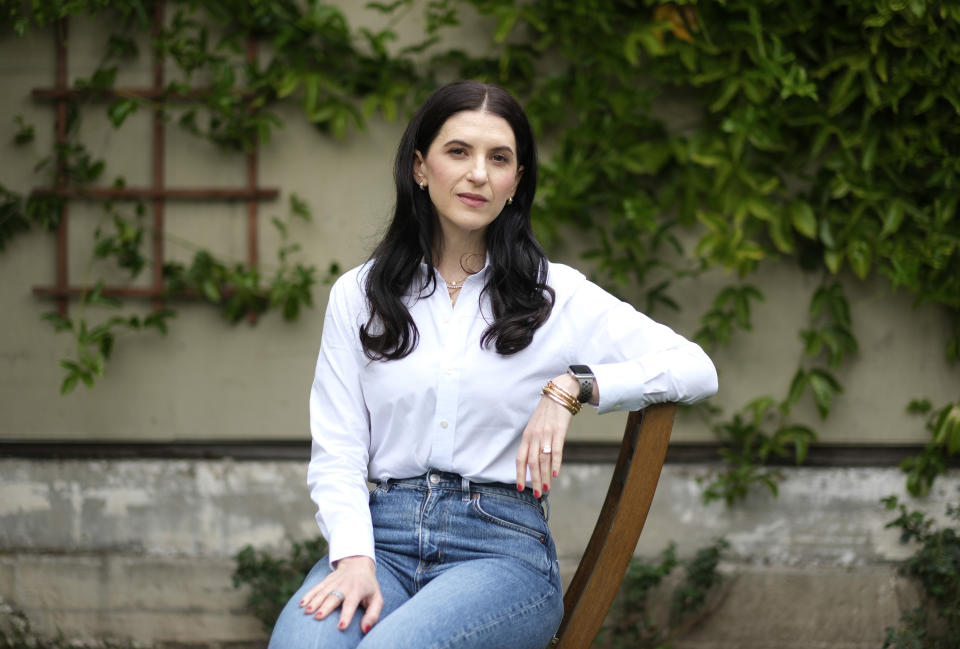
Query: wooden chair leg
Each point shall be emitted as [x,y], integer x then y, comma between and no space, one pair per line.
[604,563]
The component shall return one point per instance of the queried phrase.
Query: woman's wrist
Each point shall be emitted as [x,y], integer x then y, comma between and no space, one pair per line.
[357,561]
[568,384]
[561,395]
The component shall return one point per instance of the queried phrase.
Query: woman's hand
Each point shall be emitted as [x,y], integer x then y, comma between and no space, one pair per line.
[547,427]
[355,578]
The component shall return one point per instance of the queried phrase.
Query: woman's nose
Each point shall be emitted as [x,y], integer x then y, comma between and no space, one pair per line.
[477,174]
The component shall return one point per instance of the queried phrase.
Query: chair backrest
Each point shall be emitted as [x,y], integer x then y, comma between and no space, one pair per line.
[605,561]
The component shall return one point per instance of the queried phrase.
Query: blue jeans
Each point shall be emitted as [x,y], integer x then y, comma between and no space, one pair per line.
[461,565]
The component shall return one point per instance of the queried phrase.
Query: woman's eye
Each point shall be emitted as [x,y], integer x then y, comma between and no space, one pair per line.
[502,159]
[457,151]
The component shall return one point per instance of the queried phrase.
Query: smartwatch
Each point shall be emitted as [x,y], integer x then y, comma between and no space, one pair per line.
[584,376]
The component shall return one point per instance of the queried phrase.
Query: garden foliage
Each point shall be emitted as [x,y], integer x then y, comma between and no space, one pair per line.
[680,138]
[936,567]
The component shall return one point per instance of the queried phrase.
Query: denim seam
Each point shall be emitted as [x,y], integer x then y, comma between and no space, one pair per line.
[452,643]
[419,571]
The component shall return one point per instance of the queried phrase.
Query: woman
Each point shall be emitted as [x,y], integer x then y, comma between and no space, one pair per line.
[445,372]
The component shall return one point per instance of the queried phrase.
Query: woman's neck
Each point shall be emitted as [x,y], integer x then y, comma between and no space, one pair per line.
[458,257]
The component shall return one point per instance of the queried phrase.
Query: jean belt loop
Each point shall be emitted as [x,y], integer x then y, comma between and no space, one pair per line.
[465,488]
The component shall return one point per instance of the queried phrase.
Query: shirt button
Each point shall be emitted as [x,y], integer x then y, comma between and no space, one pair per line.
[444,423]
[434,479]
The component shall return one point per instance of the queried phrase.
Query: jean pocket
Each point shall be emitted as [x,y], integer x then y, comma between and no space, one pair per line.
[512,514]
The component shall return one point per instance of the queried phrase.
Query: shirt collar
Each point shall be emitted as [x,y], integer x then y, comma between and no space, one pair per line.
[481,274]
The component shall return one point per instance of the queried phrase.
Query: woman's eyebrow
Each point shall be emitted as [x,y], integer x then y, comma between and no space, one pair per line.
[467,145]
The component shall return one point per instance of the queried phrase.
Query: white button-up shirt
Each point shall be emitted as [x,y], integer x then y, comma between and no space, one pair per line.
[455,406]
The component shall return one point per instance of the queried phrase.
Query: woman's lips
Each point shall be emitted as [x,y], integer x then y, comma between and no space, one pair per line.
[473,200]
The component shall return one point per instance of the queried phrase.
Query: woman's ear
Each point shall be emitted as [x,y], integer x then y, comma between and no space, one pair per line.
[418,175]
[516,182]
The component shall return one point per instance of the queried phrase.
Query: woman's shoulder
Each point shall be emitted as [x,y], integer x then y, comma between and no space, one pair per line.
[350,287]
[564,279]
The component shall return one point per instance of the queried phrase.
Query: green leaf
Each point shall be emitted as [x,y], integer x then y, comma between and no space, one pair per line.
[833,259]
[299,207]
[826,234]
[844,92]
[506,19]
[311,94]
[892,218]
[69,383]
[211,290]
[287,84]
[797,387]
[120,110]
[59,322]
[860,255]
[870,152]
[730,89]
[823,386]
[803,219]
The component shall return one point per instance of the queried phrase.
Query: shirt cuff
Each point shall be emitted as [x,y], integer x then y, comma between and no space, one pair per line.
[351,540]
[617,384]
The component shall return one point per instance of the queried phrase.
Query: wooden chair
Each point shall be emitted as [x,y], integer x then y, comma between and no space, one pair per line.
[605,561]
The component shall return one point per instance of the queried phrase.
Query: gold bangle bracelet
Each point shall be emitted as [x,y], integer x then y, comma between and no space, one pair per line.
[566,395]
[571,403]
[561,396]
[558,400]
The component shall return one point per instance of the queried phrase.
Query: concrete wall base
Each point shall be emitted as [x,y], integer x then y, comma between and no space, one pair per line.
[142,549]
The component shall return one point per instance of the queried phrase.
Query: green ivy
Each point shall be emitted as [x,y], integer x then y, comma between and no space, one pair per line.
[684,137]
[631,622]
[270,581]
[936,567]
[943,425]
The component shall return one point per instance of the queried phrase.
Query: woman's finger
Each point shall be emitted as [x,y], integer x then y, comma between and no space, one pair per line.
[330,603]
[557,457]
[522,463]
[533,462]
[314,597]
[347,609]
[372,614]
[546,455]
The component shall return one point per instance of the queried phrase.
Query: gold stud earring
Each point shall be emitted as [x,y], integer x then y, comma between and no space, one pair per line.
[510,201]
[423,185]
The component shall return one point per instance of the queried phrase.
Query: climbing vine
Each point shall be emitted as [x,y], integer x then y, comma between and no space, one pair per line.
[821,134]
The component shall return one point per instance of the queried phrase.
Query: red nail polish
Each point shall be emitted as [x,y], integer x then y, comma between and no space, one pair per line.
[302,601]
[555,474]
[546,488]
[519,487]
[366,627]
[342,626]
[536,494]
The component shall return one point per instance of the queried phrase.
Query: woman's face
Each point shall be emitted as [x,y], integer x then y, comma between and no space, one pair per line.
[470,170]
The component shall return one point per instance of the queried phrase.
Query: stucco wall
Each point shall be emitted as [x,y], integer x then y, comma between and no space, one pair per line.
[208,380]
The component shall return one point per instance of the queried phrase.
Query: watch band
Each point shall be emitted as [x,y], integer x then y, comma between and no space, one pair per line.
[584,376]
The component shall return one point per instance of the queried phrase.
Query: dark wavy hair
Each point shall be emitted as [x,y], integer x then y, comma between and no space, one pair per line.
[516,278]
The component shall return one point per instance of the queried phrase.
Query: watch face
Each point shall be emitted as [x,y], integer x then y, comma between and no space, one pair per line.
[580,369]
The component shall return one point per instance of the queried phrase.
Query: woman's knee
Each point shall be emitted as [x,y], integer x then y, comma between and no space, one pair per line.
[296,629]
